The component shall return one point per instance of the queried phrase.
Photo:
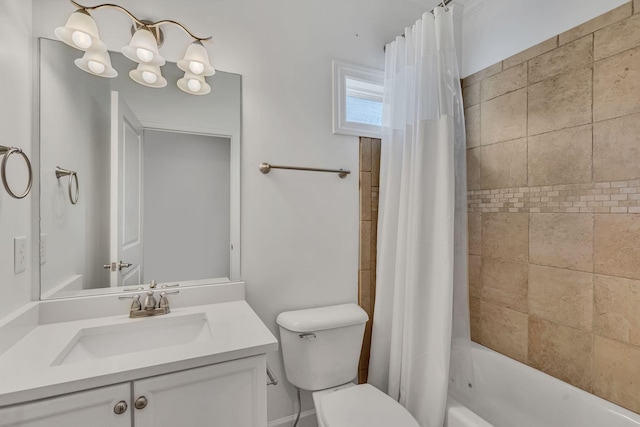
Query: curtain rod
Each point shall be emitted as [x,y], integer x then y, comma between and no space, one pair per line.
[443,3]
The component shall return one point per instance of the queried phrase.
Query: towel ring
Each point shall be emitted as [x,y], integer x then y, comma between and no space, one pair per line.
[8,151]
[73,176]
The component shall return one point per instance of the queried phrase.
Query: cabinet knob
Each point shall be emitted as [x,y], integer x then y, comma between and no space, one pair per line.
[120,408]
[140,402]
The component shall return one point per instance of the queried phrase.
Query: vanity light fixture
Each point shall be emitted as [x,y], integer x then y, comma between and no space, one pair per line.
[81,32]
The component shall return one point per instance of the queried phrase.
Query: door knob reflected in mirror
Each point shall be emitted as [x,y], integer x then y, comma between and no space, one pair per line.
[123,264]
[119,266]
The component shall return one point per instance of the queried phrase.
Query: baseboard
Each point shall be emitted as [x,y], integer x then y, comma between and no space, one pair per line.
[291,418]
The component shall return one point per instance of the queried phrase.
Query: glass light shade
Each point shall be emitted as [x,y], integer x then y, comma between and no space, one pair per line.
[148,75]
[196,60]
[194,84]
[143,49]
[81,32]
[97,63]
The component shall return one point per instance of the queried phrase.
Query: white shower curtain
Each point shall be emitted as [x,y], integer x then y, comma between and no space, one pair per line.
[422,226]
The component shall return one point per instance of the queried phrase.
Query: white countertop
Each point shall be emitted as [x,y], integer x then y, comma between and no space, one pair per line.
[28,371]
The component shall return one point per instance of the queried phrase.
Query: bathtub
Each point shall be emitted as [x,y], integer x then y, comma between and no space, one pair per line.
[507,393]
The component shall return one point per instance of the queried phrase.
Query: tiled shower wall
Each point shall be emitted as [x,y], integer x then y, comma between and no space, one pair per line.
[369,184]
[553,163]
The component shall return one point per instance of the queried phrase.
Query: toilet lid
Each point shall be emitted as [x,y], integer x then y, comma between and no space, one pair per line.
[364,405]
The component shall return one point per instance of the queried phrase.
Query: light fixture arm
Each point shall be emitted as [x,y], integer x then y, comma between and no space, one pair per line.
[139,22]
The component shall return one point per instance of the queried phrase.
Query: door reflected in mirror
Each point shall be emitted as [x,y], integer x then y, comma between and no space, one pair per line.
[158,174]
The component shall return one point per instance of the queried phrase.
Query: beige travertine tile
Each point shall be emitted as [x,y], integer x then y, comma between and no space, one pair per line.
[365,245]
[375,161]
[505,236]
[595,24]
[504,164]
[365,299]
[475,283]
[560,351]
[504,330]
[365,154]
[616,85]
[616,372]
[482,74]
[561,240]
[506,81]
[636,6]
[374,241]
[473,169]
[617,309]
[616,149]
[471,95]
[532,52]
[561,296]
[474,312]
[475,233]
[472,125]
[561,157]
[504,283]
[365,196]
[504,118]
[616,38]
[560,102]
[616,248]
[577,54]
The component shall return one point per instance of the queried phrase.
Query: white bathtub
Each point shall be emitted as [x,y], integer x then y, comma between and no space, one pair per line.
[507,393]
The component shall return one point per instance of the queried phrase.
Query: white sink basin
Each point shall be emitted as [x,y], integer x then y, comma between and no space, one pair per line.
[134,336]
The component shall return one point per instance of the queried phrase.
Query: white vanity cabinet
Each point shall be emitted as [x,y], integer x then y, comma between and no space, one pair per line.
[228,394]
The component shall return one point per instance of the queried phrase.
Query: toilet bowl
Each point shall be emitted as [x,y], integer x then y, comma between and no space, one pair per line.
[359,405]
[321,349]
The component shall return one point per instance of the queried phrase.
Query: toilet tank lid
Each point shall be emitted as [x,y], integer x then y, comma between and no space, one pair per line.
[321,318]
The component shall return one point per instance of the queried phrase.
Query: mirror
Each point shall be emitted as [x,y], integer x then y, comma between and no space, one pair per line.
[136,184]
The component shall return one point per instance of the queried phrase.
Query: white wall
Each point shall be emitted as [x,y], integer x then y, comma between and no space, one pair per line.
[496,29]
[186,206]
[15,130]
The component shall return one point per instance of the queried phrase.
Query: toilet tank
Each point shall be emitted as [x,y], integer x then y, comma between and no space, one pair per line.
[321,346]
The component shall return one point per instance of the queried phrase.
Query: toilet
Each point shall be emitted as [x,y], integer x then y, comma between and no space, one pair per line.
[321,350]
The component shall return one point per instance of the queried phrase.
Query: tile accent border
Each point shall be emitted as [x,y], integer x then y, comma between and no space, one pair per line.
[597,197]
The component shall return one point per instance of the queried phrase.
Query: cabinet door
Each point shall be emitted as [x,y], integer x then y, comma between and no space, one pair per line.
[93,408]
[230,394]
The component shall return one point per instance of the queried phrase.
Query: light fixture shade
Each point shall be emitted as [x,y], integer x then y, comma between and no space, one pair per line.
[196,57]
[81,32]
[144,75]
[97,63]
[143,49]
[194,84]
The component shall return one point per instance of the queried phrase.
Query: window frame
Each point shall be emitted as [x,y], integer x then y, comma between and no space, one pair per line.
[341,72]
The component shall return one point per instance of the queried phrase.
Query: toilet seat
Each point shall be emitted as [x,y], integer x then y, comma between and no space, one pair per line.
[363,405]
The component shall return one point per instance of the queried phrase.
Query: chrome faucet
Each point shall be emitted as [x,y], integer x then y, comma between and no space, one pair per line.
[151,306]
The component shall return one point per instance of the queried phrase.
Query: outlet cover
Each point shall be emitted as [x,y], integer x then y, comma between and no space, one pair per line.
[19,254]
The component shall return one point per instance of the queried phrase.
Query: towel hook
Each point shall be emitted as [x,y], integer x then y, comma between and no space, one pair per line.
[73,176]
[7,152]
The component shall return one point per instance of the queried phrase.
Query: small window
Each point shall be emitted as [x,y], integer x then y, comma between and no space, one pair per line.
[357,100]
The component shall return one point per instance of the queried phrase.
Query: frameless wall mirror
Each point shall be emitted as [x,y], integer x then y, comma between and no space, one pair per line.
[136,183]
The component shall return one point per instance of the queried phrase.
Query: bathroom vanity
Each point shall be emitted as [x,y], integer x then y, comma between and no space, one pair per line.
[204,362]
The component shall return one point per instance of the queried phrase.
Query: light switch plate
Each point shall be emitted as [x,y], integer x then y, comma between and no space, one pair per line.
[19,254]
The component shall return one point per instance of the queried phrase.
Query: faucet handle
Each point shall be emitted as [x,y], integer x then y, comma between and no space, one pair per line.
[164,301]
[135,305]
